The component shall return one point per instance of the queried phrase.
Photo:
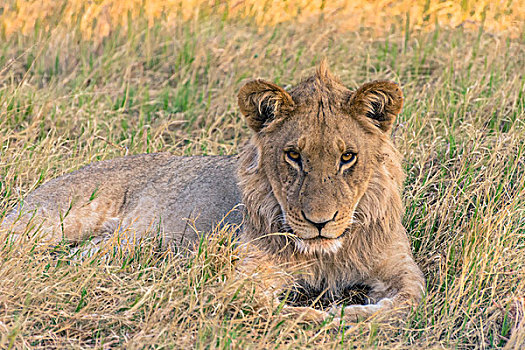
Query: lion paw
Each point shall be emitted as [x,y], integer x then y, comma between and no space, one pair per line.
[353,313]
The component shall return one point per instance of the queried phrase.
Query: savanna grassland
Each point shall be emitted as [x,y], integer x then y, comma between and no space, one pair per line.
[86,81]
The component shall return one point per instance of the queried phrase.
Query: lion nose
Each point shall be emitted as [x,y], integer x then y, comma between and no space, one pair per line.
[319,225]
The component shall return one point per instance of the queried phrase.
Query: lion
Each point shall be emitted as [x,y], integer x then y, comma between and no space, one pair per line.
[318,186]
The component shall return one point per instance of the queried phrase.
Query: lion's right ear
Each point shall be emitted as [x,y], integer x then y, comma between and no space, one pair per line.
[262,102]
[380,102]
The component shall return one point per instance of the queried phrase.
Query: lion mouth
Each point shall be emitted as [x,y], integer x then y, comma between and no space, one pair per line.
[319,244]
[317,239]
[320,238]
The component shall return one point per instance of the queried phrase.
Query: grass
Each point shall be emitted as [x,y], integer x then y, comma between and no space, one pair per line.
[169,84]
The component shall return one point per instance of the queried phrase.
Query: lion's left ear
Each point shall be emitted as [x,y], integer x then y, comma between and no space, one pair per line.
[381,101]
[261,102]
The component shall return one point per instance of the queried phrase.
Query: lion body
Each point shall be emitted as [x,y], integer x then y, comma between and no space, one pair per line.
[320,182]
[179,196]
[370,246]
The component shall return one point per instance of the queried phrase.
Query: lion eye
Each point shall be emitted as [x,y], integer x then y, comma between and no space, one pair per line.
[293,156]
[348,157]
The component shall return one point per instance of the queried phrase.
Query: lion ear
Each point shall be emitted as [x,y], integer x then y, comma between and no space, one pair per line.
[261,102]
[380,101]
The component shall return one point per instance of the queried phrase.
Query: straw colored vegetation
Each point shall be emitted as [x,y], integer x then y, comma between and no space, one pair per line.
[147,79]
[96,19]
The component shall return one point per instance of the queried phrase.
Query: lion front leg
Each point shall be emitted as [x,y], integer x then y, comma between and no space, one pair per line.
[354,313]
[397,284]
[305,313]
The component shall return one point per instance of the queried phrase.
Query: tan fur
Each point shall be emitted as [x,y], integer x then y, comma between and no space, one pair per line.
[362,240]
[327,225]
[155,193]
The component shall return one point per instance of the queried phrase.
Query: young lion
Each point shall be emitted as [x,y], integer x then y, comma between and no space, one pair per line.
[320,182]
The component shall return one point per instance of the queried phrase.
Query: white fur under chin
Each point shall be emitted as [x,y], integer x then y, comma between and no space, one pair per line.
[323,247]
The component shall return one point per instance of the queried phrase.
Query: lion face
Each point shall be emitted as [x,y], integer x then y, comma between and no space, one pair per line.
[319,146]
[318,172]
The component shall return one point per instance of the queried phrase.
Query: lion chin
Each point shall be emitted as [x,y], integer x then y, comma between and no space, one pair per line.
[318,245]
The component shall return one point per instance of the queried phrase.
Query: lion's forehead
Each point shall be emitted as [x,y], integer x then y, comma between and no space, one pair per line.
[333,135]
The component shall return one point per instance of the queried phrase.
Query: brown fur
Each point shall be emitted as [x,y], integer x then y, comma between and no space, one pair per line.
[336,221]
[155,193]
[363,240]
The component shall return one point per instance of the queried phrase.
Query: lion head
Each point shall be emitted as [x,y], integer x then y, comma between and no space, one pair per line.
[319,161]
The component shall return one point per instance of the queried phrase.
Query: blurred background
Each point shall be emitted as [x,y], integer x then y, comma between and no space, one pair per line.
[98,19]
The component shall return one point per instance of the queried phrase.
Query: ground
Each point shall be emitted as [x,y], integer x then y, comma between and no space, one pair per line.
[71,95]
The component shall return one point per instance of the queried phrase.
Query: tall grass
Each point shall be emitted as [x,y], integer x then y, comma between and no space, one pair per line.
[68,98]
[98,19]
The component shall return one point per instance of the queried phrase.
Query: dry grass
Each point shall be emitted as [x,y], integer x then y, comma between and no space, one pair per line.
[66,100]
[97,19]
